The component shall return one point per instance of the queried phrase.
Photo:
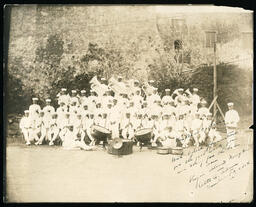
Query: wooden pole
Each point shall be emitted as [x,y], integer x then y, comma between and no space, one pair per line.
[214,80]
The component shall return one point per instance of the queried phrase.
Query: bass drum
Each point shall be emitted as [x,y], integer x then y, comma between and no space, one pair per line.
[144,135]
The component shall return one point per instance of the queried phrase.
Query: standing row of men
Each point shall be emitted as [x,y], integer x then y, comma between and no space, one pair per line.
[181,118]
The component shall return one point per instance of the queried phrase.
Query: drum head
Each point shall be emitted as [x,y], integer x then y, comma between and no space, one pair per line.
[101,129]
[117,143]
[143,131]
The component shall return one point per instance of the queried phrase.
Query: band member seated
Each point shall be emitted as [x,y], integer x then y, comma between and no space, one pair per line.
[63,126]
[127,126]
[166,139]
[138,124]
[196,125]
[156,126]
[78,127]
[54,129]
[40,129]
[70,140]
[213,134]
[87,126]
[25,125]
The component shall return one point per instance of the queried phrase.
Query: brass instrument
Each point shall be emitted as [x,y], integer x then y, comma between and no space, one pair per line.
[148,89]
[99,88]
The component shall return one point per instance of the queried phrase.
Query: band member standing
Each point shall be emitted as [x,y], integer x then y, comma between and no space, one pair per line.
[83,99]
[167,97]
[63,97]
[34,109]
[48,109]
[231,120]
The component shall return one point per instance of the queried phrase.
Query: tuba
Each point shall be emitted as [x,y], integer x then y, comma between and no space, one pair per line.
[99,88]
[147,89]
[115,86]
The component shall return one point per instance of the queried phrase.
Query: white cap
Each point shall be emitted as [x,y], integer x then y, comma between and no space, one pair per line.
[167,89]
[63,89]
[195,89]
[230,104]
[83,91]
[35,99]
[154,89]
[203,102]
[26,111]
[209,114]
[73,91]
[151,81]
[103,79]
[41,111]
[48,100]
[136,81]
[180,89]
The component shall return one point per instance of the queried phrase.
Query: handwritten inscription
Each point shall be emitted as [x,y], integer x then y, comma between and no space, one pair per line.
[207,167]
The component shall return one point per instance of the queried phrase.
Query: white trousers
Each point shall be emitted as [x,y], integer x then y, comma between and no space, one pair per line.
[53,133]
[128,133]
[114,128]
[26,135]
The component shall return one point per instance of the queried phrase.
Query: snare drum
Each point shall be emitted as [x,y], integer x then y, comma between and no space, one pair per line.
[144,135]
[163,150]
[176,151]
[100,133]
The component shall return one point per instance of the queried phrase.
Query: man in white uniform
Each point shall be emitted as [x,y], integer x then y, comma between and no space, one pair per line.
[54,130]
[63,97]
[231,120]
[83,99]
[48,109]
[203,110]
[25,124]
[34,109]
[167,97]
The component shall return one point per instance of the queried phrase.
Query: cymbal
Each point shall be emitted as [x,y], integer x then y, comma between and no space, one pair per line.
[117,143]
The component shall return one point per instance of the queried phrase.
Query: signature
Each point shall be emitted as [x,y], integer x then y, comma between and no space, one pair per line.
[210,166]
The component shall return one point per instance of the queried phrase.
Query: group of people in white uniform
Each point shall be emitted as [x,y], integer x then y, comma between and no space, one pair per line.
[180,118]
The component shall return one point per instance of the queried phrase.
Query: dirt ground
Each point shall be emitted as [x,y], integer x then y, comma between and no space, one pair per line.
[52,174]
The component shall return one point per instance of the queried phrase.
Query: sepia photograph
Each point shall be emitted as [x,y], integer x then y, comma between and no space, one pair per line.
[128,103]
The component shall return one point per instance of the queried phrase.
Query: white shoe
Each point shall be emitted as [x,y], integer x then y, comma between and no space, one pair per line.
[154,144]
[51,144]
[28,143]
